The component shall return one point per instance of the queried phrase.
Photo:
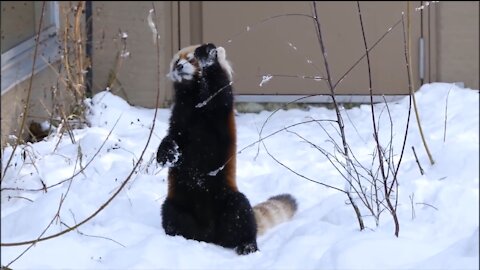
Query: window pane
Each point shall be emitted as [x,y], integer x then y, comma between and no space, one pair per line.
[47,17]
[20,21]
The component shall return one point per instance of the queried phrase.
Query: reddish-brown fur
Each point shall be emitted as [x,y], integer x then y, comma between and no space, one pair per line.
[230,167]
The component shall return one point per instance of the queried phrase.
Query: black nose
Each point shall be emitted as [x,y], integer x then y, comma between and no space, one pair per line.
[179,67]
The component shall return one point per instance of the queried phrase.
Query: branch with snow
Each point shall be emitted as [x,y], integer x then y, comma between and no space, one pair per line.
[152,26]
[265,79]
[104,205]
[205,102]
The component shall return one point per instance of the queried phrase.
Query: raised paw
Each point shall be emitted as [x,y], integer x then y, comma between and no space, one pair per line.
[206,54]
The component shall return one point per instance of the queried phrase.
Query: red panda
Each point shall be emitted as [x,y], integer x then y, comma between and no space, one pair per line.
[203,201]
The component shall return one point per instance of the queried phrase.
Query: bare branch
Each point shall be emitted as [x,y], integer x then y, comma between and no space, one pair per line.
[411,86]
[57,215]
[44,188]
[120,188]
[339,117]
[254,26]
[29,92]
[418,162]
[302,176]
[446,116]
[89,235]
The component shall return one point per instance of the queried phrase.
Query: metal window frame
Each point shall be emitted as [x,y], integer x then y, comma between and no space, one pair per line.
[18,61]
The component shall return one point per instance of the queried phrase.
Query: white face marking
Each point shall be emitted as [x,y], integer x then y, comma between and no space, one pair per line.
[187,70]
[181,70]
[171,75]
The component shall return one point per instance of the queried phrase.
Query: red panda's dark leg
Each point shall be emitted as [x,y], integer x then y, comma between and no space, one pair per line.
[178,221]
[236,227]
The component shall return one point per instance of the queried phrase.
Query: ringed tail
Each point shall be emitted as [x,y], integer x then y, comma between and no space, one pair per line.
[275,210]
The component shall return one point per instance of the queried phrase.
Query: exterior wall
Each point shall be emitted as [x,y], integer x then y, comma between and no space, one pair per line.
[19,26]
[258,47]
[138,74]
[458,42]
[255,49]
[47,88]
[264,48]
[41,102]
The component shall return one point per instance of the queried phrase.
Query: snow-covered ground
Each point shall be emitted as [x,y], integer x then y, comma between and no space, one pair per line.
[438,211]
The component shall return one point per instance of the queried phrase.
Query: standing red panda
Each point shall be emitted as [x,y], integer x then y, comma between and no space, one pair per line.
[203,201]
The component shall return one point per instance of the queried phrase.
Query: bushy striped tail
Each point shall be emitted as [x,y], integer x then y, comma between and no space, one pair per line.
[274,211]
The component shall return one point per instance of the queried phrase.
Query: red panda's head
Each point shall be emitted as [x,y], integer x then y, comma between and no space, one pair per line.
[189,62]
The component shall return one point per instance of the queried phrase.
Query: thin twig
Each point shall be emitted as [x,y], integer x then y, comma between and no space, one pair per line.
[336,84]
[410,100]
[203,103]
[268,136]
[411,85]
[57,215]
[364,55]
[308,77]
[446,116]
[426,204]
[340,123]
[89,235]
[285,105]
[19,197]
[372,109]
[124,183]
[418,162]
[295,172]
[253,27]
[29,91]
[328,156]
[412,205]
[82,168]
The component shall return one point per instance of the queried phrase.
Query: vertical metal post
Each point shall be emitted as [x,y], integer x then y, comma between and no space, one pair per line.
[89,46]
[421,60]
[421,55]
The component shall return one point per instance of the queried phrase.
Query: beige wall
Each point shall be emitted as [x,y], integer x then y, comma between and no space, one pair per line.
[458,42]
[264,48]
[137,73]
[12,31]
[259,48]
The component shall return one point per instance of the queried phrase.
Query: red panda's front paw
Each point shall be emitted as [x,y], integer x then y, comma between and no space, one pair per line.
[167,153]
